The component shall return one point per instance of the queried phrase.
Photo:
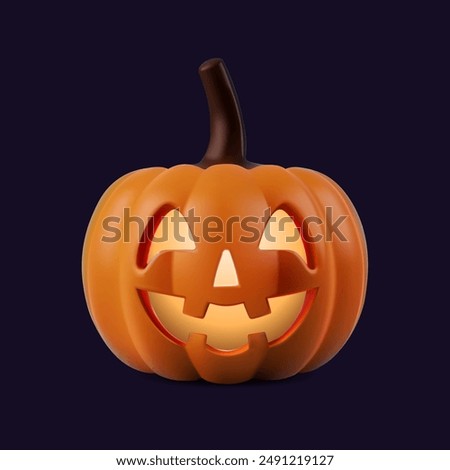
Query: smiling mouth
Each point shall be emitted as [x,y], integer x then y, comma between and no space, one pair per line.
[226,327]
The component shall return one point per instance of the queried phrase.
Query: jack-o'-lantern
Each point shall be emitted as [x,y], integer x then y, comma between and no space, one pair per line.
[225,270]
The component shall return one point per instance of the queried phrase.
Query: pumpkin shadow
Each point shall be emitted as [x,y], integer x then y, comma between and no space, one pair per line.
[203,384]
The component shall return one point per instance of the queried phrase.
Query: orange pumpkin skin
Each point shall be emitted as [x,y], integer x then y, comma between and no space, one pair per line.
[122,283]
[337,274]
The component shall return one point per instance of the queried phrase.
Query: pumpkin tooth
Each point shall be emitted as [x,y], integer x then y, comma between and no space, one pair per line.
[257,340]
[227,366]
[257,307]
[195,307]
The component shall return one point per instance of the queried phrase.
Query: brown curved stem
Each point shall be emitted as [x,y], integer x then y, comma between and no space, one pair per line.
[227,143]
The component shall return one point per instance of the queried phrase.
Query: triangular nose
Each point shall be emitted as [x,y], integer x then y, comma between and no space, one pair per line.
[226,275]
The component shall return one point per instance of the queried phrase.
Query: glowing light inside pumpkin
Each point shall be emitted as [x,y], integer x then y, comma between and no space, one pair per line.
[227,326]
[281,233]
[172,233]
[226,275]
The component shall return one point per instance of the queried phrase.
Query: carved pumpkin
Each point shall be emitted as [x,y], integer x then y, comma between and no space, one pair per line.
[254,292]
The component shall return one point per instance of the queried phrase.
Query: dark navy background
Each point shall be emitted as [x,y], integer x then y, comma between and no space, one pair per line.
[96,94]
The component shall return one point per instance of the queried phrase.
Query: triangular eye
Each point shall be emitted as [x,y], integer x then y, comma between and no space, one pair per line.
[281,233]
[173,233]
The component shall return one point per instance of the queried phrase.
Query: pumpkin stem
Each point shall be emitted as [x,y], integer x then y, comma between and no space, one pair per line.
[227,141]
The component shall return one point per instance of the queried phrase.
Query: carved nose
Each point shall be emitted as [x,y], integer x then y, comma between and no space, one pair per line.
[226,275]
